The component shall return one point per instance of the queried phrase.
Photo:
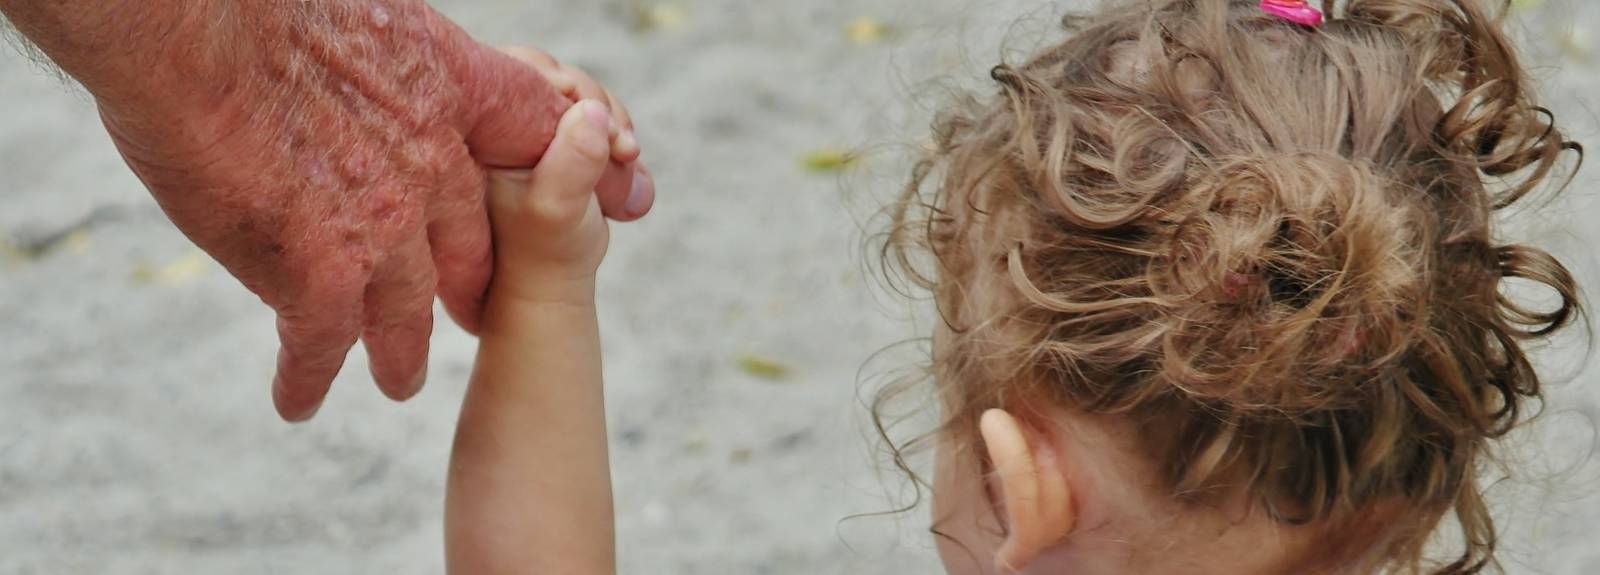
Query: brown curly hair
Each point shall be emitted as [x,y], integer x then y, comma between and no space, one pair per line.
[1276,241]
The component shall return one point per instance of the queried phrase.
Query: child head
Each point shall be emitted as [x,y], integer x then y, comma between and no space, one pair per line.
[1234,285]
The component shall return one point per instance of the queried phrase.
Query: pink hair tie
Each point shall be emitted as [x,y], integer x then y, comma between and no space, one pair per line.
[1297,11]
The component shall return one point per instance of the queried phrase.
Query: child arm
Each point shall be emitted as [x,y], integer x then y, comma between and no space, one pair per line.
[530,484]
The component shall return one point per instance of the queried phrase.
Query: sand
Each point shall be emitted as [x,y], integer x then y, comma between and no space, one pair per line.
[136,435]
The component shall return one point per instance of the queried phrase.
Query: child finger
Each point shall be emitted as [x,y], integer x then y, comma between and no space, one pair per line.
[588,88]
[625,148]
[569,172]
[618,110]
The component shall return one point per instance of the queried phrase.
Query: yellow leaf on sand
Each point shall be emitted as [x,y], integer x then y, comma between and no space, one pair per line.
[763,368]
[11,251]
[866,30]
[829,160]
[181,270]
[660,15]
[695,446]
[78,241]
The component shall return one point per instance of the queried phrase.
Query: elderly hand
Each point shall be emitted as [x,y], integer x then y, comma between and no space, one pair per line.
[331,155]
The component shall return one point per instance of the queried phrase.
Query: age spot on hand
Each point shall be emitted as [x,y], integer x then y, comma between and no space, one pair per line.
[317,172]
[380,17]
[356,169]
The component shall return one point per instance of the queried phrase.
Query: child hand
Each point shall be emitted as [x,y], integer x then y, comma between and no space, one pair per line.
[549,232]
[577,85]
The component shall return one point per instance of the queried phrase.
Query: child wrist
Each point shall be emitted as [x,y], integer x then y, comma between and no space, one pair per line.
[552,289]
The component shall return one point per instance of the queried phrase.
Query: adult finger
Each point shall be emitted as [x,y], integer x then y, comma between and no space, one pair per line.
[314,336]
[509,112]
[576,84]
[548,66]
[399,319]
[461,243]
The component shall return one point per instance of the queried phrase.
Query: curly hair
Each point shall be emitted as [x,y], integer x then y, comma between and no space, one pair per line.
[1276,241]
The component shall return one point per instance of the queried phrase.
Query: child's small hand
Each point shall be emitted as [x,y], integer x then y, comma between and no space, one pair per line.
[549,232]
[576,84]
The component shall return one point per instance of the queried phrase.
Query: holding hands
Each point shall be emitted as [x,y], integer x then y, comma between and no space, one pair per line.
[530,488]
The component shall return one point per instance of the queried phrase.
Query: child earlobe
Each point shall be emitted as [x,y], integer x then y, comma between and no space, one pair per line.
[1033,490]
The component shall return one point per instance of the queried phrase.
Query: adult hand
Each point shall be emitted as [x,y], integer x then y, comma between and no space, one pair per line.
[331,155]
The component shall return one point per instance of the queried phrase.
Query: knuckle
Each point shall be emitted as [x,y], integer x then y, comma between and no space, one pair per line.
[325,303]
[313,337]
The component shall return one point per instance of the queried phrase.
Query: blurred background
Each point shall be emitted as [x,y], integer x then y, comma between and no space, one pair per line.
[741,320]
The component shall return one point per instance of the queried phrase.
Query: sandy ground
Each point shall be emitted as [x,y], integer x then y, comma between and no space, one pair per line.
[136,434]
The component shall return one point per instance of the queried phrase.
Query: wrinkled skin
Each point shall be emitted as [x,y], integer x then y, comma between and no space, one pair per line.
[332,156]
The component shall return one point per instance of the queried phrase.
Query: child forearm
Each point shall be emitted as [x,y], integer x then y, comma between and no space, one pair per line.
[530,483]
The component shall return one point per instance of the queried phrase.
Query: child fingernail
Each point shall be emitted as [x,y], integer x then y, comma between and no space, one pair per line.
[628,141]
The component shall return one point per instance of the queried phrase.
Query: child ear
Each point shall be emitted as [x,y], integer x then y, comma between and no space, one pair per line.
[1033,490]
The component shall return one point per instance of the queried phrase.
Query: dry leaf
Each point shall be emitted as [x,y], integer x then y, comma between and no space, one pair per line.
[181,270]
[659,15]
[78,242]
[829,160]
[695,446]
[763,368]
[11,251]
[867,30]
[74,239]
